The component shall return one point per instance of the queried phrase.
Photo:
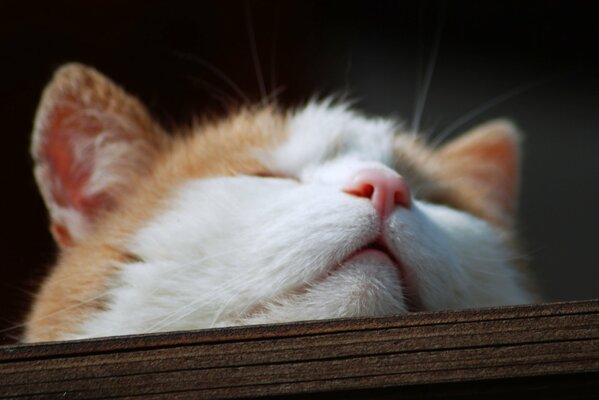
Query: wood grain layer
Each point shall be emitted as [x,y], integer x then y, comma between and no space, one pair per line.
[542,349]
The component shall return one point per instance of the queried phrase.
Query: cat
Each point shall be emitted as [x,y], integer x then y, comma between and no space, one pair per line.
[264,216]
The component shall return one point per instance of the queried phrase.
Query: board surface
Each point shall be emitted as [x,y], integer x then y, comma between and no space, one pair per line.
[546,349]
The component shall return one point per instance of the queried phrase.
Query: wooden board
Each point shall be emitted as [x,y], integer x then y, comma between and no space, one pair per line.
[549,350]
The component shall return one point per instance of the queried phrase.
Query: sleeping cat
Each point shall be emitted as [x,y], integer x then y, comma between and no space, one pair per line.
[265,216]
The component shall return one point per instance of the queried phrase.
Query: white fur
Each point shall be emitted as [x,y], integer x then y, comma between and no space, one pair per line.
[244,250]
[320,132]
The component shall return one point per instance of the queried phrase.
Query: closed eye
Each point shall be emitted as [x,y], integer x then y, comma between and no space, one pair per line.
[271,174]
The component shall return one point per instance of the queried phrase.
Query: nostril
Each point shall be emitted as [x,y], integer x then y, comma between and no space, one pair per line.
[385,188]
[361,190]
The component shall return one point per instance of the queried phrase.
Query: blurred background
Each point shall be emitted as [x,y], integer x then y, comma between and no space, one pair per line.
[535,62]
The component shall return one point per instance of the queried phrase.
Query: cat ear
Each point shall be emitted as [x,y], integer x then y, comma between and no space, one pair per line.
[485,164]
[90,142]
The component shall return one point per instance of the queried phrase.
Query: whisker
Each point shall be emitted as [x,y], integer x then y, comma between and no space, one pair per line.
[502,272]
[248,304]
[219,73]
[79,304]
[254,50]
[174,317]
[27,292]
[195,305]
[476,111]
[420,65]
[108,292]
[231,286]
[225,99]
[272,96]
[428,77]
[12,337]
[273,51]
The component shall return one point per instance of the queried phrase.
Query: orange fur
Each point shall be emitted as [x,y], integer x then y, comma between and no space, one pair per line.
[76,285]
[449,175]
[481,167]
[82,274]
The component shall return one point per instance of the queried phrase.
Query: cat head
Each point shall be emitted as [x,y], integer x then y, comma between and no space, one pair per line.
[264,216]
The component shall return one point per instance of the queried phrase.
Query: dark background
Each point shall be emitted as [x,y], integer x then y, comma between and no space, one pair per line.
[544,53]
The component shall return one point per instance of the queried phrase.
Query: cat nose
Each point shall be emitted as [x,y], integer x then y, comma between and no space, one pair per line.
[386,189]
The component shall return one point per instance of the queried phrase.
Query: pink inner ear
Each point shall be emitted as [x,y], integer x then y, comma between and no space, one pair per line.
[504,155]
[488,158]
[62,235]
[71,175]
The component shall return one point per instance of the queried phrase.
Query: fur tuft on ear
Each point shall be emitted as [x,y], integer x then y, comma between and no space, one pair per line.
[90,141]
[484,167]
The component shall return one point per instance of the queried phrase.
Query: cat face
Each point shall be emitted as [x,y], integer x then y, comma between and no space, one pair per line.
[266,216]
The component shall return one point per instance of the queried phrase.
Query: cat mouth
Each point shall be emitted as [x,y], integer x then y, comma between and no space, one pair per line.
[378,249]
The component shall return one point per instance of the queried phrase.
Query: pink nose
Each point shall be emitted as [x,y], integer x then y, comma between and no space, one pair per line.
[385,189]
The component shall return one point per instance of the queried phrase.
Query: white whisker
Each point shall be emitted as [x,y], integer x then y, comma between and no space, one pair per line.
[254,50]
[428,77]
[225,99]
[476,111]
[273,51]
[79,304]
[196,305]
[224,77]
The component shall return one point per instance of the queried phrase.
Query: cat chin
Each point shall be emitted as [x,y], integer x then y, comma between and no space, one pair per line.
[365,286]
